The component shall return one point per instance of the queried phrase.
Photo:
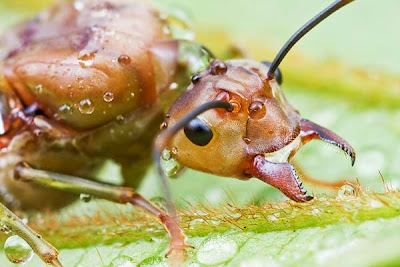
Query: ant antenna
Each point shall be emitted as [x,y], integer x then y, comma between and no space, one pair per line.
[166,135]
[303,31]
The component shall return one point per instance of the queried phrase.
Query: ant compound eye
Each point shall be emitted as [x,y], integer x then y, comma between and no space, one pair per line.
[278,73]
[198,132]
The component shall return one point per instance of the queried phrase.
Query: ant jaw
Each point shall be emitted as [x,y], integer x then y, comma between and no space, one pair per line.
[283,176]
[274,168]
[310,131]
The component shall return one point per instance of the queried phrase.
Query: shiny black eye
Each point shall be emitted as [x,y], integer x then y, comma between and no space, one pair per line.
[278,73]
[198,132]
[196,78]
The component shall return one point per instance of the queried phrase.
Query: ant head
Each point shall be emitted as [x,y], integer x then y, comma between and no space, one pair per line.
[237,123]
[260,121]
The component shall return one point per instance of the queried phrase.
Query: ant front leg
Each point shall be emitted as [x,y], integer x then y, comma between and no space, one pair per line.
[122,195]
[40,246]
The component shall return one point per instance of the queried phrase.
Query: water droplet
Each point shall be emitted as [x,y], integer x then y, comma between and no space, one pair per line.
[108,97]
[236,106]
[39,88]
[153,262]
[173,86]
[65,109]
[85,58]
[17,250]
[120,118]
[177,24]
[86,107]
[218,68]
[194,56]
[124,59]
[122,261]
[174,150]
[171,166]
[4,229]
[166,154]
[164,126]
[346,191]
[85,198]
[216,250]
[69,86]
[257,110]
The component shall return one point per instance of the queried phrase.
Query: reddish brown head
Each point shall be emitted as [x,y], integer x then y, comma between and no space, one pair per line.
[256,138]
[262,121]
[258,133]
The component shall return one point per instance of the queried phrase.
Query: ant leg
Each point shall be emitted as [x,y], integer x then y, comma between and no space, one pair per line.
[116,194]
[40,246]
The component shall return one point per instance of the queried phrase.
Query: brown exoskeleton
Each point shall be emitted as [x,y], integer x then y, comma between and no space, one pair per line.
[87,81]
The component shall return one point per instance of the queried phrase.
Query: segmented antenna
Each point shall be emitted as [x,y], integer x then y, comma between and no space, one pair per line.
[303,31]
[164,137]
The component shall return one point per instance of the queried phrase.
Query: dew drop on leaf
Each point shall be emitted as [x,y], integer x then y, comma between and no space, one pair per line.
[346,191]
[122,261]
[216,250]
[17,250]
